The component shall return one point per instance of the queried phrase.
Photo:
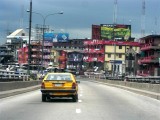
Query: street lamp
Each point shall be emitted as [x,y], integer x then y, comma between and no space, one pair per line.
[43,29]
[29,47]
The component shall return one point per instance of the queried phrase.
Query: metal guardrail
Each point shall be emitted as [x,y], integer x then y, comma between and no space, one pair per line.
[140,79]
[148,79]
[12,75]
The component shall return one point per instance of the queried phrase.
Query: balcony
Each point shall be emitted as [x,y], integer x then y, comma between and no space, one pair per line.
[47,50]
[46,57]
[94,42]
[93,59]
[97,50]
[149,46]
[36,43]
[35,49]
[36,56]
[6,54]
[62,58]
[100,59]
[75,59]
[145,72]
[150,59]
[48,44]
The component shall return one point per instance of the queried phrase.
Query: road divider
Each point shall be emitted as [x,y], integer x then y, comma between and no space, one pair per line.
[147,89]
[17,87]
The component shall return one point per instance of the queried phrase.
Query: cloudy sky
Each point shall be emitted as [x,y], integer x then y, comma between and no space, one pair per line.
[79,15]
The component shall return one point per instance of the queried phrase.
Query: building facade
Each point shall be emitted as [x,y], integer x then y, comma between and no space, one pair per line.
[116,57]
[149,56]
[93,54]
[68,51]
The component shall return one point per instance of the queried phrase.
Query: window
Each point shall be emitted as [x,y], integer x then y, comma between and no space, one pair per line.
[135,48]
[120,55]
[109,55]
[120,47]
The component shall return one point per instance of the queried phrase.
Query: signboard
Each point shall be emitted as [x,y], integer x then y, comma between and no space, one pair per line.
[56,37]
[117,32]
[48,37]
[60,37]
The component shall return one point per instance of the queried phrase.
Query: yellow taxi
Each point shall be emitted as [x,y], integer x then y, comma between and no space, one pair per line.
[59,85]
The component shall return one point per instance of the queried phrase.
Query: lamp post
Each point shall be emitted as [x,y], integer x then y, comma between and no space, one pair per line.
[43,30]
[29,47]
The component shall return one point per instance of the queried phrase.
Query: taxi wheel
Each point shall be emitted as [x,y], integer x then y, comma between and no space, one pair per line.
[44,98]
[75,98]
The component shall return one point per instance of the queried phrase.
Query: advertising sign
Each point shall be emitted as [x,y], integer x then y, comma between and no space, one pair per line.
[56,37]
[60,37]
[117,32]
[48,37]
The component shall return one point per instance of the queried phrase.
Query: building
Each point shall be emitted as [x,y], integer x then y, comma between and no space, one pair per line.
[23,55]
[149,56]
[9,50]
[117,60]
[75,60]
[96,32]
[6,54]
[93,54]
[68,51]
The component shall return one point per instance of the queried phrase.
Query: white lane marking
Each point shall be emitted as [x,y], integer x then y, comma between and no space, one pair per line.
[78,110]
[79,101]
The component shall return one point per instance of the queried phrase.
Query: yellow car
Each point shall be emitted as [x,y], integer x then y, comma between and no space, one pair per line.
[59,85]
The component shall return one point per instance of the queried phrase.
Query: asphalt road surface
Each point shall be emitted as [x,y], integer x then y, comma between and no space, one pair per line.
[96,102]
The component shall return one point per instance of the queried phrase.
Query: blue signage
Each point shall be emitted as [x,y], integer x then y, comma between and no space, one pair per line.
[60,37]
[56,37]
[48,37]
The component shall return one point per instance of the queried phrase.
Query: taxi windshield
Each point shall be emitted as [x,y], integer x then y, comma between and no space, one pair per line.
[58,77]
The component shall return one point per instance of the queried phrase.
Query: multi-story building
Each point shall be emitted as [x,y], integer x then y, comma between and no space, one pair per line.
[93,54]
[36,54]
[54,58]
[6,54]
[23,55]
[150,55]
[75,60]
[96,32]
[9,50]
[117,59]
[68,51]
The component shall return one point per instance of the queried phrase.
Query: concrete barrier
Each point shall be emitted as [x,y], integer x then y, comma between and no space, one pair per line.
[4,86]
[147,89]
[17,87]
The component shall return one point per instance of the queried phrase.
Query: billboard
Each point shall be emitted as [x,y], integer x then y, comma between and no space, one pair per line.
[117,32]
[48,37]
[56,37]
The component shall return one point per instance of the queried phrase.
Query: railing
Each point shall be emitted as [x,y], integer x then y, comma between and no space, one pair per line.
[148,79]
[139,79]
[149,46]
[148,59]
[11,75]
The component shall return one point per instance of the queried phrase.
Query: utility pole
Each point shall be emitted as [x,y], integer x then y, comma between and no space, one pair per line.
[29,47]
[143,19]
[114,24]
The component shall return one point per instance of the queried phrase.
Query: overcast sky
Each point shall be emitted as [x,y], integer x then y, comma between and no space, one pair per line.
[79,15]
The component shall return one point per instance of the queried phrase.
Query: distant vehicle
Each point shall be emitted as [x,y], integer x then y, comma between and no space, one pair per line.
[59,85]
[73,71]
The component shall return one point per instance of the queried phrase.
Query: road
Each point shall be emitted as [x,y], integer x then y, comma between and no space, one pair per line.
[96,102]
